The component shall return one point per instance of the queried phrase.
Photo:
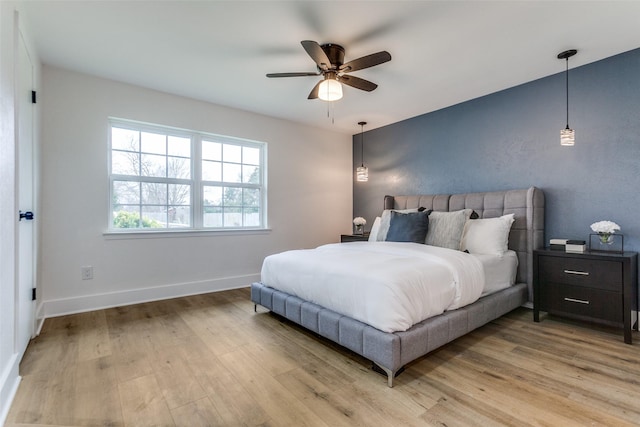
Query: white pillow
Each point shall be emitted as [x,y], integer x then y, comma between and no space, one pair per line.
[385,221]
[487,236]
[375,228]
[445,228]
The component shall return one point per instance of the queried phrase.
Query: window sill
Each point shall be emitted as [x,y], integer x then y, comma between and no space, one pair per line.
[161,234]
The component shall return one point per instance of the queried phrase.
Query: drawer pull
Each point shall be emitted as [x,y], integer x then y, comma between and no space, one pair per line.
[579,273]
[581,301]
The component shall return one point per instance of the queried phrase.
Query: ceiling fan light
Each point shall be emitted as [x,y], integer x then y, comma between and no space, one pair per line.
[362,174]
[567,137]
[330,90]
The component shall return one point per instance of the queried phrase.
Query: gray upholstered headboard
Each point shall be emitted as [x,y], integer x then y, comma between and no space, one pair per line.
[527,232]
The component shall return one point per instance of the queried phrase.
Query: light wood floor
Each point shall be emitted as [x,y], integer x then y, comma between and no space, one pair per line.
[210,360]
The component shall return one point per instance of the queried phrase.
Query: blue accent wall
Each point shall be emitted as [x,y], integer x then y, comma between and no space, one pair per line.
[511,139]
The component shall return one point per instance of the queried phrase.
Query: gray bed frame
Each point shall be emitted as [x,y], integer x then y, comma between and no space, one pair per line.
[391,351]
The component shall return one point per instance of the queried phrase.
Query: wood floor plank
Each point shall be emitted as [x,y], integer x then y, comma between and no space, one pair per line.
[199,413]
[131,353]
[520,394]
[96,400]
[275,399]
[327,403]
[94,340]
[28,404]
[50,352]
[175,377]
[228,395]
[210,360]
[143,403]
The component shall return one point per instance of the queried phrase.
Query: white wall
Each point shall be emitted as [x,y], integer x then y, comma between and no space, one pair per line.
[309,197]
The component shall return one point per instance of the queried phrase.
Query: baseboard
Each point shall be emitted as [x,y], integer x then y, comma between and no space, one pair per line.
[84,303]
[9,382]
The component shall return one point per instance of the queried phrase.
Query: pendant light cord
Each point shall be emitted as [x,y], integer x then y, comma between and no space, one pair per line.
[567,88]
[362,144]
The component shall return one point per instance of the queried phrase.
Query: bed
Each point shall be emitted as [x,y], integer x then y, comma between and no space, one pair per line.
[390,351]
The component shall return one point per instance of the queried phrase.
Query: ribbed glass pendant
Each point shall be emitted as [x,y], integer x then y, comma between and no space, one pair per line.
[362,174]
[567,137]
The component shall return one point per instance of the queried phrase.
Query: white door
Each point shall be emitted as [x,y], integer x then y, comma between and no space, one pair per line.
[24,151]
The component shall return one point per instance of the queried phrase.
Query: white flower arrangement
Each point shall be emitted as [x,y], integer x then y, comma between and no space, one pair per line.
[359,221]
[605,227]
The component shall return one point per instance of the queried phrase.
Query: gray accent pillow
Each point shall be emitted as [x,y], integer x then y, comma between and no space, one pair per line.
[445,228]
[408,227]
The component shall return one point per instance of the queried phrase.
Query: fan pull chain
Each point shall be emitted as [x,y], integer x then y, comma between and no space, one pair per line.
[331,111]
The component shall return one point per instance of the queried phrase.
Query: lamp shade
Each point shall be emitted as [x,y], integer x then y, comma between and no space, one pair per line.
[330,90]
[567,137]
[362,174]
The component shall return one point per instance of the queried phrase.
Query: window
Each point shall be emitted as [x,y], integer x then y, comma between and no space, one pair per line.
[166,178]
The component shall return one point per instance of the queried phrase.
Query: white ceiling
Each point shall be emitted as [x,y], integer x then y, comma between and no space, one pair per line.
[444,52]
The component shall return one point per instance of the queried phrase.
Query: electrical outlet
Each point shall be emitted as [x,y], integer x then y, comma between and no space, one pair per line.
[87,272]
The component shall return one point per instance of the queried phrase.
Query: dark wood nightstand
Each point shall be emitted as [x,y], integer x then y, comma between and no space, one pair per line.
[599,287]
[354,238]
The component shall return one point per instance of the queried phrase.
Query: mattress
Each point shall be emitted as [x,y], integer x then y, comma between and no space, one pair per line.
[499,271]
[388,285]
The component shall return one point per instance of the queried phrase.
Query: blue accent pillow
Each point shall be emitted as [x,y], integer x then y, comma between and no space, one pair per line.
[408,227]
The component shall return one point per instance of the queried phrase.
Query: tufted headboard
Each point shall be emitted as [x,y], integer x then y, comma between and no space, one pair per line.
[527,232]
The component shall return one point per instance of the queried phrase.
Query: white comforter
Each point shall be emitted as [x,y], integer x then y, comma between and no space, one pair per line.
[388,285]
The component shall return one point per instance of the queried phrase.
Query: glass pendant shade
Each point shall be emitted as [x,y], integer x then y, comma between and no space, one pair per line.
[362,174]
[330,90]
[567,137]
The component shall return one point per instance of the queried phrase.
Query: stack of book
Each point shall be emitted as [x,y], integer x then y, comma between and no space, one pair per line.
[577,246]
[558,244]
[567,245]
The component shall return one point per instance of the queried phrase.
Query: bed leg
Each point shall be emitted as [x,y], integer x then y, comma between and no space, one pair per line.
[255,308]
[390,375]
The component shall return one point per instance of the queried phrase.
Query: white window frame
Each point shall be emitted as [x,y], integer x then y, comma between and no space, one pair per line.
[196,182]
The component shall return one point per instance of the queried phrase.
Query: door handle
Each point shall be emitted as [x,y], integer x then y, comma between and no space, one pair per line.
[26,215]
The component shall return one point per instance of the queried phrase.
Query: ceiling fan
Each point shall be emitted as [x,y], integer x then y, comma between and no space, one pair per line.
[329,59]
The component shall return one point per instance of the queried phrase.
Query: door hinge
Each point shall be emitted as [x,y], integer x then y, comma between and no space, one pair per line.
[33,294]
[33,96]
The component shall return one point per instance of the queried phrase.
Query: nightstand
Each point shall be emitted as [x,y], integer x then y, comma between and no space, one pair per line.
[344,238]
[599,287]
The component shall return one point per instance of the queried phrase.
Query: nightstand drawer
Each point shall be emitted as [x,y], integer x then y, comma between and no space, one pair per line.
[581,301]
[581,272]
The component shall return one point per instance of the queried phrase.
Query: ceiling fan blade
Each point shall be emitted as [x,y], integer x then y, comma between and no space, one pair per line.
[314,91]
[303,74]
[366,62]
[358,83]
[317,54]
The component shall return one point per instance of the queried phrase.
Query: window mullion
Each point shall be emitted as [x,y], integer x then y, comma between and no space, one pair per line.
[196,179]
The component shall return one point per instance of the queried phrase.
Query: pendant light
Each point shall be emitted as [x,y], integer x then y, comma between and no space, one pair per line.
[567,135]
[362,172]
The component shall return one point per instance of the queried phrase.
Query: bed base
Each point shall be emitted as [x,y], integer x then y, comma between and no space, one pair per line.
[390,351]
